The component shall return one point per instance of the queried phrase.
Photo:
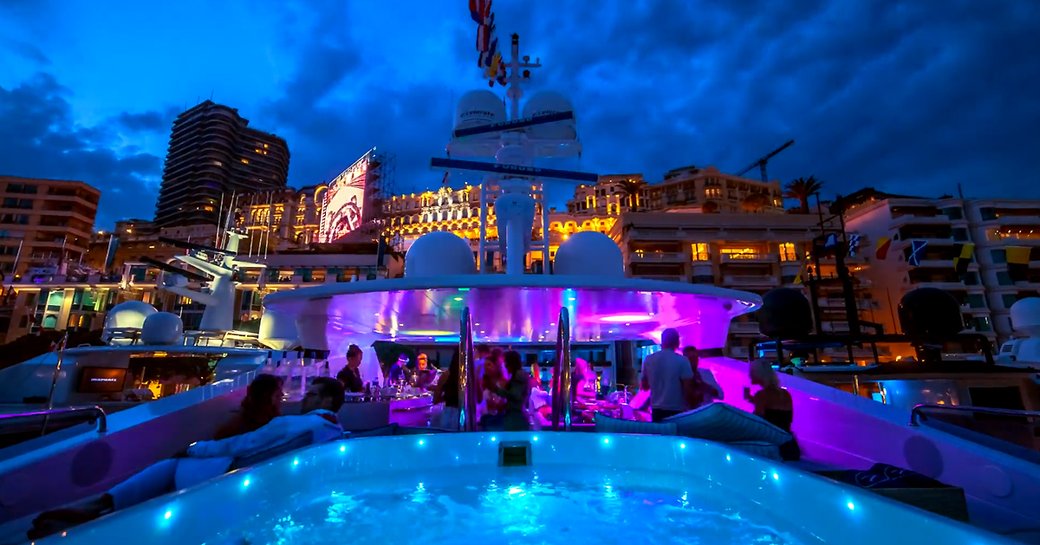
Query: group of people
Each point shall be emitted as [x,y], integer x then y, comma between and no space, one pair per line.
[504,390]
[677,384]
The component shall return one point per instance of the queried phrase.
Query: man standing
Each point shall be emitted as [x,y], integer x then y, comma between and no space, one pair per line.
[669,378]
[350,375]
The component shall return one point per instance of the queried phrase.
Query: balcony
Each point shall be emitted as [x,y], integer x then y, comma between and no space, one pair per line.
[750,258]
[744,328]
[639,256]
[669,277]
[758,281]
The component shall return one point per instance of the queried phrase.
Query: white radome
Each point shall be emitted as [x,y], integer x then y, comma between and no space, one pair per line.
[589,253]
[1025,316]
[162,328]
[129,314]
[439,253]
[550,102]
[478,108]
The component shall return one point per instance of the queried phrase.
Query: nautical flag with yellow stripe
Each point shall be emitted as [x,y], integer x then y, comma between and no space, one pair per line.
[962,259]
[799,279]
[1017,262]
[883,244]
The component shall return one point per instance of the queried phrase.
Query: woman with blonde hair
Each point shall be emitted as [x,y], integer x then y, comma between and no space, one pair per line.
[772,403]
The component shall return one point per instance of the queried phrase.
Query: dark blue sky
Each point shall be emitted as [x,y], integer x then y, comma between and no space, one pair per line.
[904,96]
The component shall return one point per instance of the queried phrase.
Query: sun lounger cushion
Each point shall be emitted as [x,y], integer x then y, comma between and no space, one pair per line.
[727,424]
[606,424]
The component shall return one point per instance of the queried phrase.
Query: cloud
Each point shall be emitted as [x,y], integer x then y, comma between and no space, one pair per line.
[42,140]
[26,50]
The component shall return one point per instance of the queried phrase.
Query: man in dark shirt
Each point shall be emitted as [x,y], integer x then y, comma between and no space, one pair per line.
[350,376]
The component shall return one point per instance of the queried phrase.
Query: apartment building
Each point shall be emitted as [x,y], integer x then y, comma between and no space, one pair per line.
[45,225]
[214,154]
[749,252]
[926,239]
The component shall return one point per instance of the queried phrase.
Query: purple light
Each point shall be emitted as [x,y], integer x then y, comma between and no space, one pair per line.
[619,318]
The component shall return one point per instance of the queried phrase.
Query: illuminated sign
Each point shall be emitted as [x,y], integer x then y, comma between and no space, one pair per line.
[344,203]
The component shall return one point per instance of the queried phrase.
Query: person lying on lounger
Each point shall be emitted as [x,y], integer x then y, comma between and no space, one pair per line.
[204,460]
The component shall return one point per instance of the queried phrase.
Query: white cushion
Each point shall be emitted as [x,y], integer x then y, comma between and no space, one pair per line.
[606,424]
[727,424]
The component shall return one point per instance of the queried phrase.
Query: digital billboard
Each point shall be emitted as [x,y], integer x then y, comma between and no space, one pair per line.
[344,202]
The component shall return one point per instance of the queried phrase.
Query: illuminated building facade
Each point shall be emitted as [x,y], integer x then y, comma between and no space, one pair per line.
[45,225]
[1003,254]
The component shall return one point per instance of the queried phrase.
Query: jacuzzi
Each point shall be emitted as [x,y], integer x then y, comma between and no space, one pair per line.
[561,488]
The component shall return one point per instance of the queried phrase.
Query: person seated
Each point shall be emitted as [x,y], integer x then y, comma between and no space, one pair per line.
[262,403]
[398,372]
[773,404]
[707,379]
[205,460]
[350,375]
[424,376]
[584,381]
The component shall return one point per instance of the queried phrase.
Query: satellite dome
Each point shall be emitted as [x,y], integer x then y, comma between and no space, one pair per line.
[478,108]
[550,102]
[277,331]
[129,314]
[930,314]
[589,253]
[439,254]
[1025,316]
[161,328]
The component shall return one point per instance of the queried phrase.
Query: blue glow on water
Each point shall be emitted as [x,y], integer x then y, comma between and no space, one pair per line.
[421,442]
[168,514]
[556,506]
[295,462]
[246,482]
[850,505]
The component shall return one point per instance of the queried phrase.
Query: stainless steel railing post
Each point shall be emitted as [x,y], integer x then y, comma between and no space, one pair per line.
[561,386]
[467,375]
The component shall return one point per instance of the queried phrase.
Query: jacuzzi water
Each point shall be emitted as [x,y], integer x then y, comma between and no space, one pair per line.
[557,505]
[578,488]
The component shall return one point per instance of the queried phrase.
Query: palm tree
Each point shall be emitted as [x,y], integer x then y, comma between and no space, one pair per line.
[754,203]
[802,189]
[630,193]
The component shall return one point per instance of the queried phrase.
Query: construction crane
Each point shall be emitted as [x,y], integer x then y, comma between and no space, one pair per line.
[761,162]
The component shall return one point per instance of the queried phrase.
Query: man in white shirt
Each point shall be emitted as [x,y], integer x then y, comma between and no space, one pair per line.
[205,460]
[669,378]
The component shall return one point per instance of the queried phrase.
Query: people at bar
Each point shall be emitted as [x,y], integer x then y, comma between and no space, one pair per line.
[515,392]
[584,380]
[350,375]
[261,404]
[446,391]
[669,378]
[205,460]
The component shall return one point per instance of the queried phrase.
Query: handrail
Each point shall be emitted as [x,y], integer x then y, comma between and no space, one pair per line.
[102,418]
[916,414]
[561,386]
[467,375]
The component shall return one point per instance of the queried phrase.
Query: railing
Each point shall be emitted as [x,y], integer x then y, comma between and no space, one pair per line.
[561,386]
[467,375]
[94,410]
[916,414]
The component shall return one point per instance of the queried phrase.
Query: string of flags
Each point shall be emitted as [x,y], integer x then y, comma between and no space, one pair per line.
[489,58]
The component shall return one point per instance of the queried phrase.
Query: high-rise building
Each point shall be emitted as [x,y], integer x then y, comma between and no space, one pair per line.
[44,224]
[213,154]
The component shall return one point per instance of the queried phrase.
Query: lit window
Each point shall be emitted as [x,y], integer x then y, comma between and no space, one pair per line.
[699,251]
[787,252]
[244,161]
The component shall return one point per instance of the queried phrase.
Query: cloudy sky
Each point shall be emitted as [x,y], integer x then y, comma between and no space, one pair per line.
[903,96]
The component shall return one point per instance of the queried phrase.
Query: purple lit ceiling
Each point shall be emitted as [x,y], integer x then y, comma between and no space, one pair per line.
[511,309]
